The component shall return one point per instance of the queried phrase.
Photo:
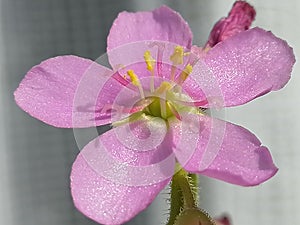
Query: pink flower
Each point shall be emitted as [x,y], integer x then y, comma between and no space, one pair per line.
[152,98]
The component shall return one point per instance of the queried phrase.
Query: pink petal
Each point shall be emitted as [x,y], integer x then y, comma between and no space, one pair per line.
[105,201]
[197,52]
[162,24]
[186,138]
[140,150]
[119,174]
[113,100]
[68,91]
[250,64]
[203,87]
[230,153]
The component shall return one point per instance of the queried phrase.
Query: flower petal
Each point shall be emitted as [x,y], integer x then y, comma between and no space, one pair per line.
[230,153]
[119,174]
[162,24]
[133,154]
[64,92]
[203,87]
[250,64]
[105,201]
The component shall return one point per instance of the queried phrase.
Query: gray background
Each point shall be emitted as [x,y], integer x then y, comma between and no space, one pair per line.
[35,159]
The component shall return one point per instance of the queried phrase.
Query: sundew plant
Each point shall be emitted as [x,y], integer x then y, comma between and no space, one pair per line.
[156,95]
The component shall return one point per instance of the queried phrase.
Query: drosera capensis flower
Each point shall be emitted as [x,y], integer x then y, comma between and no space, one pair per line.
[154,97]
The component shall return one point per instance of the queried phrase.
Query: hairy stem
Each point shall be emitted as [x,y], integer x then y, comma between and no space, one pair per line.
[176,202]
[184,194]
[194,183]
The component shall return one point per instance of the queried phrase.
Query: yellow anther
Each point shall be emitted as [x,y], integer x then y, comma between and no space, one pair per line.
[186,72]
[136,82]
[149,60]
[133,77]
[177,56]
[164,86]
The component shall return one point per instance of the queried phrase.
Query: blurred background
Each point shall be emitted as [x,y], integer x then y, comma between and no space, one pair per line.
[35,159]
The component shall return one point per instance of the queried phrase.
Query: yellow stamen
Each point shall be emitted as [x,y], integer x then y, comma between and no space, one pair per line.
[162,89]
[136,82]
[133,77]
[186,72]
[177,59]
[177,56]
[150,66]
[149,60]
[164,86]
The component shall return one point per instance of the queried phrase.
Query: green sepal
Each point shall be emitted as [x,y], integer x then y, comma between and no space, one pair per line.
[194,217]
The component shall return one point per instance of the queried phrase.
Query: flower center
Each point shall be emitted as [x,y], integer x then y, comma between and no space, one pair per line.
[165,100]
[157,110]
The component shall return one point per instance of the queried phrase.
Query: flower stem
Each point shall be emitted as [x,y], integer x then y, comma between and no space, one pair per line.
[194,183]
[184,194]
[176,202]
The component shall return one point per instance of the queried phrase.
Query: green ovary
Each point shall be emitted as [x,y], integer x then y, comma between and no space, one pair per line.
[155,109]
[166,109]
